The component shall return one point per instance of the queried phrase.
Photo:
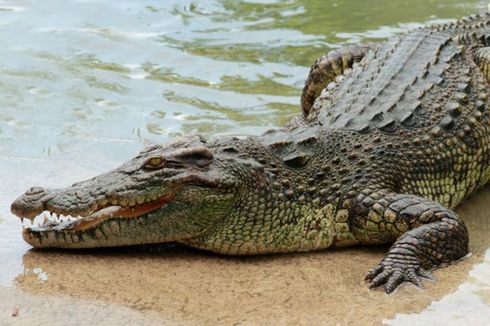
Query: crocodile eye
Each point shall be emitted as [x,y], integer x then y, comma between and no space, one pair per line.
[154,163]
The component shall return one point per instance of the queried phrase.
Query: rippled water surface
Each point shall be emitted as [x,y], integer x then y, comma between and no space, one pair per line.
[86,84]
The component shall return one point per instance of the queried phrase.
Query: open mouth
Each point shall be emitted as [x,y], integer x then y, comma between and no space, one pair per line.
[49,220]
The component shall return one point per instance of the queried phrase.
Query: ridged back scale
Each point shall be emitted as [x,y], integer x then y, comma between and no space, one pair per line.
[407,84]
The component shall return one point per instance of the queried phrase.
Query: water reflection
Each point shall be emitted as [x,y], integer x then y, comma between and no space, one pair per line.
[91,71]
[469,304]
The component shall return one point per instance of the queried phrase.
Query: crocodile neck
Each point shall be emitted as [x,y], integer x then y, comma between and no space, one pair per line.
[304,189]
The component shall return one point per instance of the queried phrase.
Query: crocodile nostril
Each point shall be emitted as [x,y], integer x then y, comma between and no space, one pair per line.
[33,191]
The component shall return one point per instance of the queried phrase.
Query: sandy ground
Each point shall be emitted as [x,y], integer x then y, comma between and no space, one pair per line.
[183,286]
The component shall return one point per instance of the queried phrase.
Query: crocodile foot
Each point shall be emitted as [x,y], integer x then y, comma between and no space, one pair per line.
[435,237]
[393,271]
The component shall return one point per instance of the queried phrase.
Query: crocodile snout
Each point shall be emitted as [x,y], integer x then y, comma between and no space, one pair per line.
[32,202]
[35,191]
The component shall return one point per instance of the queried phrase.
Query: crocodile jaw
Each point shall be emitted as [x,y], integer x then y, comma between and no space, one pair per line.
[39,231]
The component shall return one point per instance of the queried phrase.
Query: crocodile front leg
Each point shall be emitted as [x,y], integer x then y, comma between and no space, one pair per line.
[326,68]
[482,59]
[428,236]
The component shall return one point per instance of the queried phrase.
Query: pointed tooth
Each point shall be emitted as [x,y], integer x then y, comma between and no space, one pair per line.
[44,218]
[26,222]
[123,202]
[132,202]
[114,202]
[153,196]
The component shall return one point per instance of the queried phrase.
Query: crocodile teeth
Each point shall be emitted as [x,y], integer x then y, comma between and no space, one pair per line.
[48,220]
[53,217]
[27,223]
[39,220]
[63,218]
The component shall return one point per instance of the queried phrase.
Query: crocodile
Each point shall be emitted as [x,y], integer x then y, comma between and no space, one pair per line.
[392,136]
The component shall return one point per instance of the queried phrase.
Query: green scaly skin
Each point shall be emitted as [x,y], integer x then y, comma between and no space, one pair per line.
[392,137]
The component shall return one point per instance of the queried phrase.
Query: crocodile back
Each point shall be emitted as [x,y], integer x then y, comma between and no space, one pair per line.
[419,105]
[424,80]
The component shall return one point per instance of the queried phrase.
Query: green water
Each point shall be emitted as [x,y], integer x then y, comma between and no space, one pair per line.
[92,81]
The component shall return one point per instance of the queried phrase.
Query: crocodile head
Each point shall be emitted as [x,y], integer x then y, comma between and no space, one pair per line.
[166,193]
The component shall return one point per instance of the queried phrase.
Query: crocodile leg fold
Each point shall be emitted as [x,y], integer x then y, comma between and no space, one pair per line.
[429,236]
[482,59]
[326,68]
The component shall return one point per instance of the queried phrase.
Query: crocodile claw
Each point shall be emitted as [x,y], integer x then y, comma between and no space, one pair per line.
[392,274]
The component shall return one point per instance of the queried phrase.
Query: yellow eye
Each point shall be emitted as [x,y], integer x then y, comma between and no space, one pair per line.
[154,162]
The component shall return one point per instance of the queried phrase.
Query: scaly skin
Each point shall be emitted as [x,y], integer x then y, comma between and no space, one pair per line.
[398,138]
